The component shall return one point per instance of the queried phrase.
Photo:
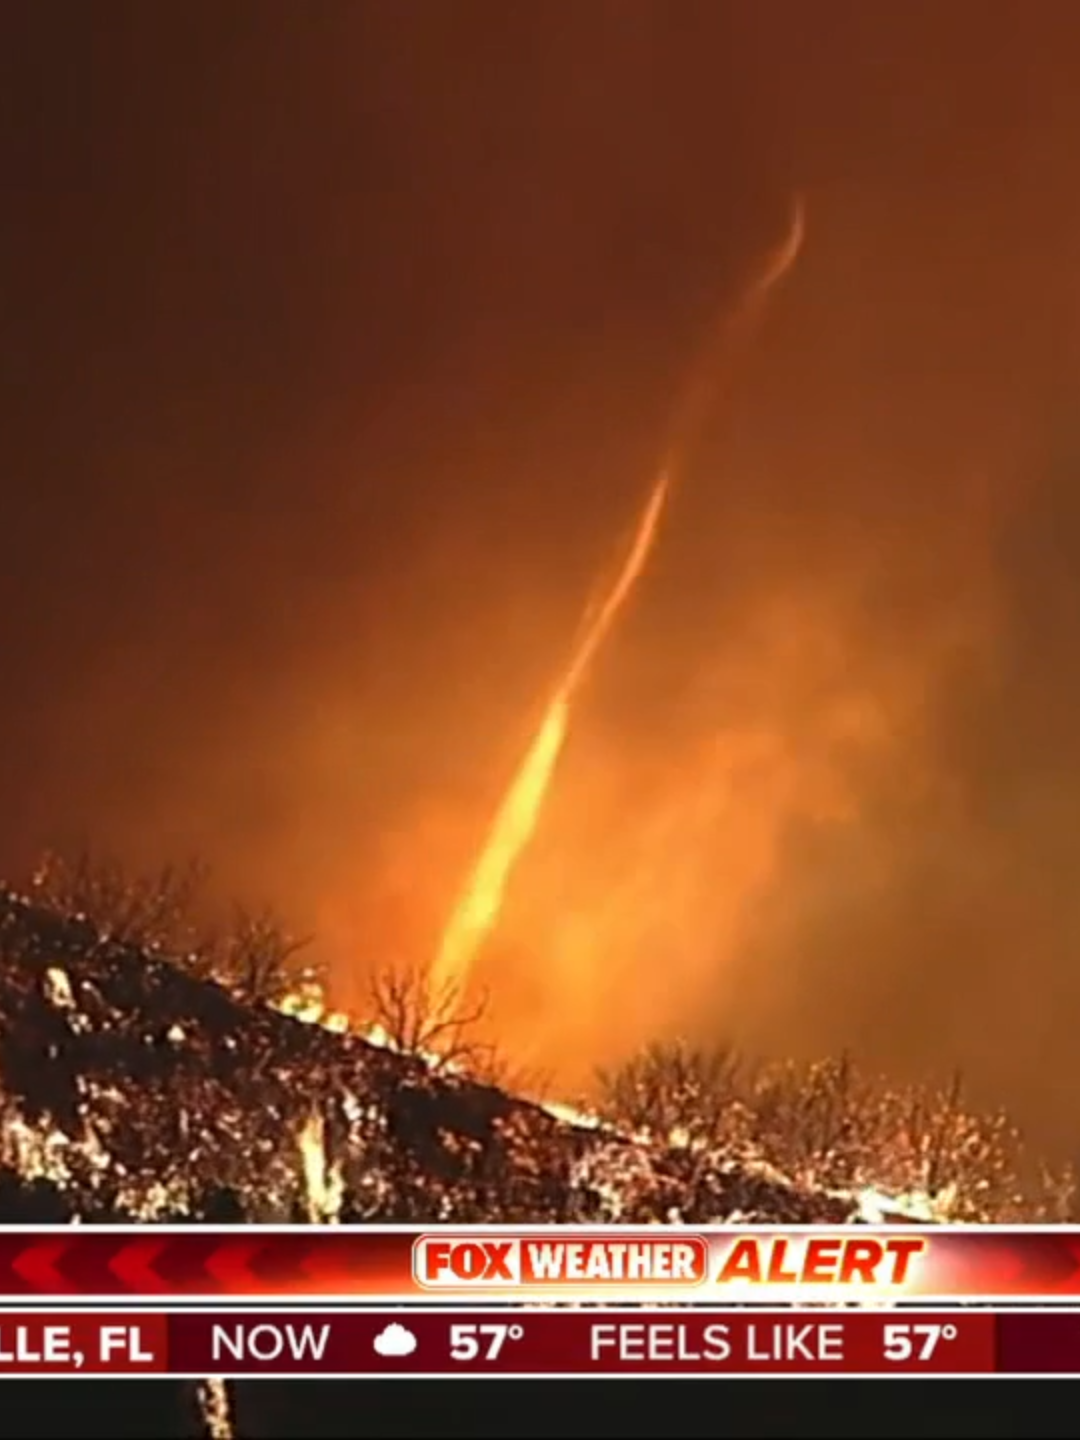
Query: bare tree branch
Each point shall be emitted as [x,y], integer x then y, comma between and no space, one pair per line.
[153,911]
[430,1022]
[255,956]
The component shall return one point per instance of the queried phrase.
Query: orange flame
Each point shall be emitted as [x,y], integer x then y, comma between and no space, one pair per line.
[517,816]
[511,831]
[516,820]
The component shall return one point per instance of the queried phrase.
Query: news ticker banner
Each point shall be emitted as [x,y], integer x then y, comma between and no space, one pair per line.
[613,1265]
[385,1343]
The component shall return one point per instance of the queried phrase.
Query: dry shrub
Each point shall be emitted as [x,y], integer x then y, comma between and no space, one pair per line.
[162,913]
[827,1125]
[154,912]
[673,1090]
[433,1022]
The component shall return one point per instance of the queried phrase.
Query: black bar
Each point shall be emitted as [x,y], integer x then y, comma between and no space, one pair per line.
[767,1409]
[639,1410]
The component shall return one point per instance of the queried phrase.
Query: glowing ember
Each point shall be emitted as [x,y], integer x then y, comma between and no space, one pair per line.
[308,1005]
[877,1208]
[216,1411]
[322,1180]
[570,1115]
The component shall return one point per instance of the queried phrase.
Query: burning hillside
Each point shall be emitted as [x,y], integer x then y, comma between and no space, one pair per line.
[132,1090]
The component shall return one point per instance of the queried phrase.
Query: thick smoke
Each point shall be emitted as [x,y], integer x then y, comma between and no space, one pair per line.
[331,381]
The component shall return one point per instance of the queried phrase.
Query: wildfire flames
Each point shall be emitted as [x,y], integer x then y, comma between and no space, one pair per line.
[517,817]
[519,813]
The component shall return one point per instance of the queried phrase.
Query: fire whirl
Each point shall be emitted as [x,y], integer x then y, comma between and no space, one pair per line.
[519,813]
[517,817]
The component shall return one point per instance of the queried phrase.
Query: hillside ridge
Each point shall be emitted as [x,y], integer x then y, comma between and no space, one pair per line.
[134,1090]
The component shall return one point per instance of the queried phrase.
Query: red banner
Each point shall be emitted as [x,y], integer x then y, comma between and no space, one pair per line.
[384,1343]
[613,1265]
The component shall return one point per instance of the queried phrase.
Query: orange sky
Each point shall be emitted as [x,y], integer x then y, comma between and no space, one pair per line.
[332,384]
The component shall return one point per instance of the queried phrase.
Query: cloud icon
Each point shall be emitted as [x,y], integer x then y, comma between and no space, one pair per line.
[395,1340]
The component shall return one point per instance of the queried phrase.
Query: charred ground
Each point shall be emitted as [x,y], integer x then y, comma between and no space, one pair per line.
[136,1089]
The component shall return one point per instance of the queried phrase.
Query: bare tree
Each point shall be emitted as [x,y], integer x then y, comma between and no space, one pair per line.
[432,1022]
[814,1118]
[255,956]
[828,1125]
[673,1091]
[153,911]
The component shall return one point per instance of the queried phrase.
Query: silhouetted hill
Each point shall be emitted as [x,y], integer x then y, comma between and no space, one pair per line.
[132,1090]
[139,1091]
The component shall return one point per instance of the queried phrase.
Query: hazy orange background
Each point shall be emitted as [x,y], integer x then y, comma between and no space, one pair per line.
[338,347]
